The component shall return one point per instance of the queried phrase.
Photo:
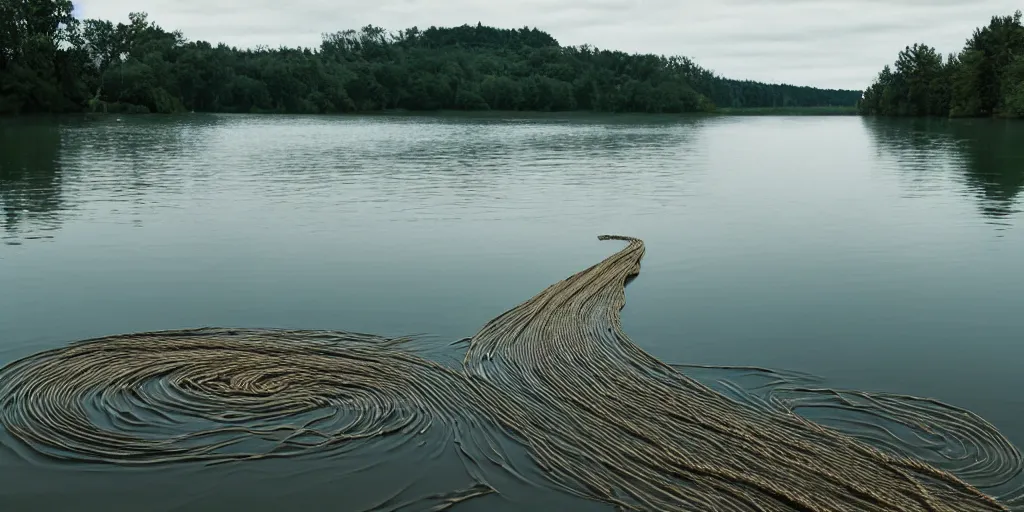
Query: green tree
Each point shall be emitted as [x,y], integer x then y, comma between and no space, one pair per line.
[37,55]
[140,67]
[1013,87]
[983,79]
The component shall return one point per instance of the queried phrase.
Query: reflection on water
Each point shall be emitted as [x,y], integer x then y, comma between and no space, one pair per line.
[50,172]
[30,180]
[435,168]
[986,156]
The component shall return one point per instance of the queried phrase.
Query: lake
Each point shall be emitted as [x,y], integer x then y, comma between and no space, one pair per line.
[883,255]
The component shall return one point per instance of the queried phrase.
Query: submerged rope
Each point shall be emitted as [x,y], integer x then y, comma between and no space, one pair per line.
[127,399]
[603,419]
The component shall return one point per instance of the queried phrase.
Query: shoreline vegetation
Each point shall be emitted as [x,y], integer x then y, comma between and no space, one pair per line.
[740,111]
[985,79]
[52,62]
[789,111]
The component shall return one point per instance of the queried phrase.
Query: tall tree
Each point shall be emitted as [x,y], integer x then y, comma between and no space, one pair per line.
[37,38]
[985,78]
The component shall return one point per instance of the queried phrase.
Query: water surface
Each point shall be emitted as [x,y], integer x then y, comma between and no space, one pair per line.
[882,255]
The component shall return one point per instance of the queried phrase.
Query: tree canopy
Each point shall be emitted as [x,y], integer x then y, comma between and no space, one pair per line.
[986,78]
[52,62]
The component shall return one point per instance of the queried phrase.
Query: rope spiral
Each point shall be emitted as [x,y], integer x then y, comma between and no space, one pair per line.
[600,417]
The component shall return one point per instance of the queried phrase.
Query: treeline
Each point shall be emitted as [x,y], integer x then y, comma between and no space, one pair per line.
[985,79]
[52,62]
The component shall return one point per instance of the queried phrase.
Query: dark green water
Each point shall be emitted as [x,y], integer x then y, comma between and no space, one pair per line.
[881,255]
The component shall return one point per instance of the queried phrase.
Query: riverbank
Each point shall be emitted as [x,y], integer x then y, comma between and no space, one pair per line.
[504,114]
[788,111]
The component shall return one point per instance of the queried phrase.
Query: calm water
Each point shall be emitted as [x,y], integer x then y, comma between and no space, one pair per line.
[881,255]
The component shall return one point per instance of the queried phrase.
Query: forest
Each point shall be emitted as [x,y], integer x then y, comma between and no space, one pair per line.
[52,62]
[985,79]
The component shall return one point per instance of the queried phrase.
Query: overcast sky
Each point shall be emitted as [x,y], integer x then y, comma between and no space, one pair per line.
[824,43]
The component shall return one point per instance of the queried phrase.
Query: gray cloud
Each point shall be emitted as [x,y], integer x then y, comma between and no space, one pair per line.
[825,43]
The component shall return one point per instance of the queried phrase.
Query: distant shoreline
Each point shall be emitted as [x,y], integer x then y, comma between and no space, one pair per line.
[788,111]
[506,114]
[749,111]
[117,67]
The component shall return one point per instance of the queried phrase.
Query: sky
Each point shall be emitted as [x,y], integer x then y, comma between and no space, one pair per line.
[822,43]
